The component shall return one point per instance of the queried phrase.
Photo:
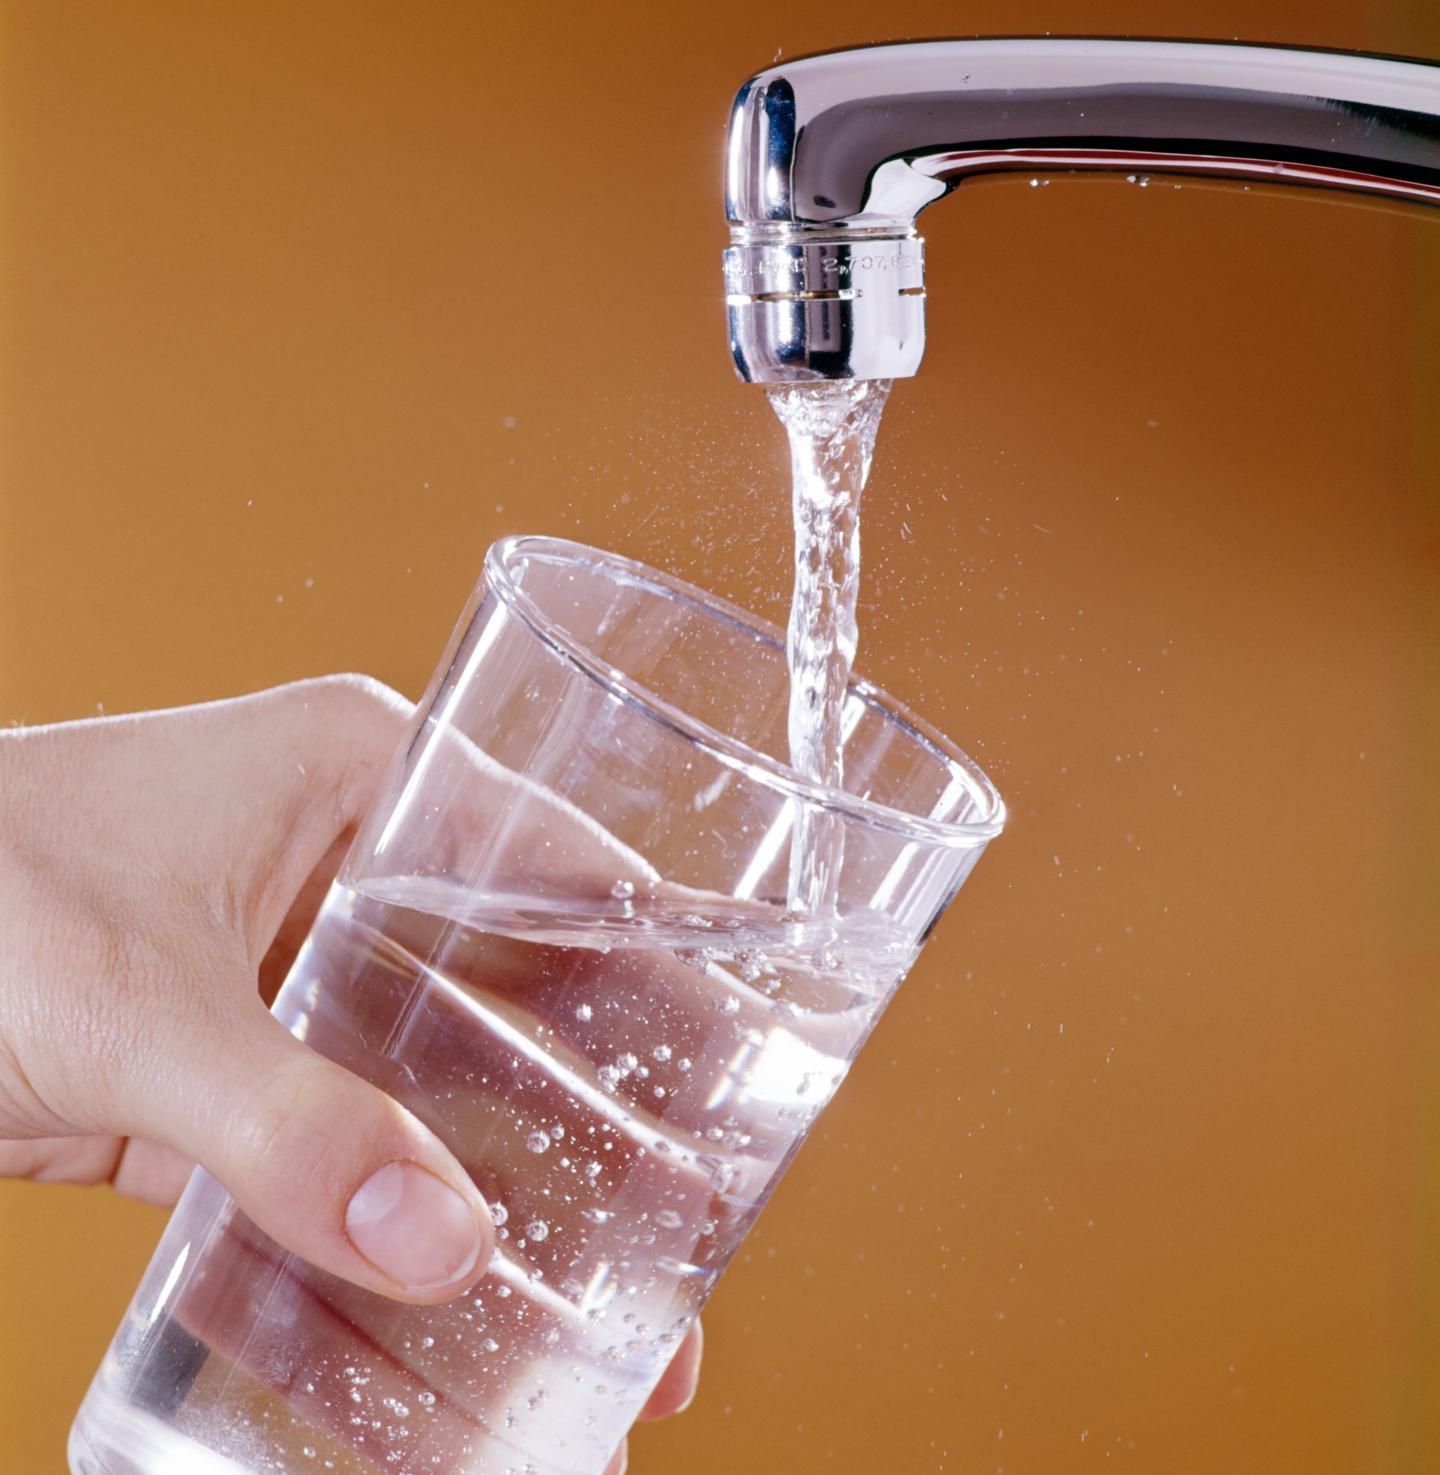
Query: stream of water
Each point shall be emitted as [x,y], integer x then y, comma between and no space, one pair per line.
[832,426]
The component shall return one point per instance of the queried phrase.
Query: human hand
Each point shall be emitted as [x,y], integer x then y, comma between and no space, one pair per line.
[154,869]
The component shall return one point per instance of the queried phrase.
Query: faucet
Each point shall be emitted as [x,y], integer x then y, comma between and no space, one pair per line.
[831,157]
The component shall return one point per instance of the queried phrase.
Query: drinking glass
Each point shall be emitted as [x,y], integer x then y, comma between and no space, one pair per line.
[560,938]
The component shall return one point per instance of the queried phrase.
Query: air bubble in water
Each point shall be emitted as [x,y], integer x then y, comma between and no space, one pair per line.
[537,1230]
[584,1013]
[660,1053]
[498,1213]
[623,890]
[722,1175]
[538,1142]
[668,1219]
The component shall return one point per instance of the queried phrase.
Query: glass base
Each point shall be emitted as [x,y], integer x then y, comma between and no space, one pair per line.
[110,1437]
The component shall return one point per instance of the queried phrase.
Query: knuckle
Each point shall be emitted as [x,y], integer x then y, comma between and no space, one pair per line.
[271,1138]
[299,1128]
[367,696]
[92,1032]
[354,723]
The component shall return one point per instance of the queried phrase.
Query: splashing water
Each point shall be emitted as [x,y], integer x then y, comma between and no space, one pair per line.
[832,426]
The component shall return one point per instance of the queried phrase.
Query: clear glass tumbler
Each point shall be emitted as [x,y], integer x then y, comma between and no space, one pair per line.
[561,940]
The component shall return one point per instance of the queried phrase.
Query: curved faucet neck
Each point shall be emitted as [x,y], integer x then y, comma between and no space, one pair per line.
[831,157]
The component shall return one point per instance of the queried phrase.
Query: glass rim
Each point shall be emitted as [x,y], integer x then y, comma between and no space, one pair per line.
[759,767]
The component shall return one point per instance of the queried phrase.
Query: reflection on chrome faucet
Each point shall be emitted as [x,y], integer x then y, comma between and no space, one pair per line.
[830,158]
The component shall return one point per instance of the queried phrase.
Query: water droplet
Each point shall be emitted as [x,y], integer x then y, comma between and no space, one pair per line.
[623,890]
[722,1176]
[537,1230]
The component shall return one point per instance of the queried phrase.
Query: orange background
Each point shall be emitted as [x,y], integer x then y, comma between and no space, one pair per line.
[1139,1173]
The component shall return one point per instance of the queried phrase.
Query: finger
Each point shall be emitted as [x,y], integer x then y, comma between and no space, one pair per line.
[274,1320]
[141,1170]
[151,1172]
[538,1126]
[324,1163]
[82,1160]
[675,1391]
[602,1010]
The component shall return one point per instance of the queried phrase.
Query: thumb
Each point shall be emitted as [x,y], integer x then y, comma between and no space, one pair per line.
[322,1162]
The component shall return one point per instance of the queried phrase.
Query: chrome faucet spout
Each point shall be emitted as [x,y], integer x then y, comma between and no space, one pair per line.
[830,158]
